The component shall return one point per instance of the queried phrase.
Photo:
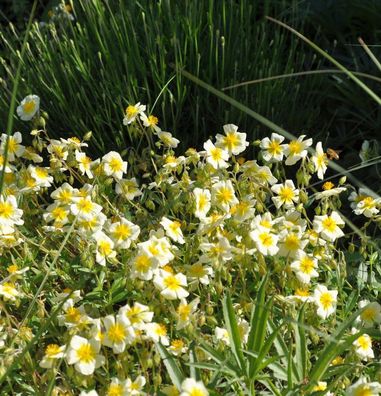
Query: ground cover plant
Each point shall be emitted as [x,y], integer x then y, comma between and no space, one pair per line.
[193,274]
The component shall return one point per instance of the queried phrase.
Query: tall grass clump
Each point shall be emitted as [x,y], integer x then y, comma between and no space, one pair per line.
[88,70]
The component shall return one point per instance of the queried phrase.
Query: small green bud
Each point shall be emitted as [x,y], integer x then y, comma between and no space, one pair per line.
[342,180]
[88,136]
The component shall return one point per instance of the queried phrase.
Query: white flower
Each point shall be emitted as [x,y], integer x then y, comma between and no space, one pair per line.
[178,347]
[328,226]
[272,148]
[223,195]
[15,149]
[9,212]
[41,176]
[136,316]
[216,156]
[105,247]
[304,267]
[84,355]
[117,388]
[64,194]
[53,352]
[363,346]
[132,111]
[265,241]
[291,242]
[368,206]
[325,300]
[143,265]
[233,142]
[364,388]
[371,313]
[261,174]
[287,194]
[150,122]
[84,163]
[28,107]
[171,285]
[90,393]
[185,312]
[134,388]
[329,190]
[128,187]
[202,197]
[118,334]
[84,207]
[113,165]
[173,230]
[320,161]
[157,332]
[9,291]
[158,247]
[296,150]
[191,387]
[123,232]
[167,139]
[200,273]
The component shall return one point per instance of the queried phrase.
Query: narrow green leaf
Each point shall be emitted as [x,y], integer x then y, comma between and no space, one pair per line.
[195,373]
[174,372]
[232,328]
[300,346]
[257,329]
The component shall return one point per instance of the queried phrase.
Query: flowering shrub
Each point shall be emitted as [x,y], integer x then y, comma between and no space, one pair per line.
[113,271]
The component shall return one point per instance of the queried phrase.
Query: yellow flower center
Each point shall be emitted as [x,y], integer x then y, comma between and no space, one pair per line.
[59,214]
[161,330]
[363,390]
[368,314]
[172,283]
[197,270]
[216,154]
[133,315]
[368,202]
[85,353]
[231,140]
[52,350]
[184,311]
[12,268]
[196,392]
[326,300]
[364,342]
[152,120]
[116,164]
[29,106]
[142,263]
[292,242]
[116,333]
[286,194]
[73,315]
[328,186]
[266,239]
[85,205]
[6,210]
[295,147]
[274,148]
[307,265]
[202,201]
[302,293]
[122,231]
[131,111]
[104,248]
[329,224]
[224,195]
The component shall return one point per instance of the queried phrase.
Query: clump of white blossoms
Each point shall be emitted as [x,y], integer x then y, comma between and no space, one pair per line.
[134,251]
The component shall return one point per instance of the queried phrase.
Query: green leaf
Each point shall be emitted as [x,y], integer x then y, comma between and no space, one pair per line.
[174,372]
[232,328]
[195,373]
[334,348]
[300,346]
[258,323]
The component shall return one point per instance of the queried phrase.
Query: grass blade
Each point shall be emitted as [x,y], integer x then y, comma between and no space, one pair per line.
[174,372]
[232,328]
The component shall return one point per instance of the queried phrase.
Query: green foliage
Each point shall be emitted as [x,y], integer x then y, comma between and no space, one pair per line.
[86,72]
